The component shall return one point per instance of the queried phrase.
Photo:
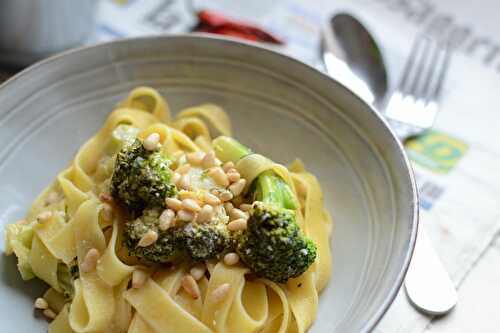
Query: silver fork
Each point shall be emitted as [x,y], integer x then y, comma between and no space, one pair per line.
[412,109]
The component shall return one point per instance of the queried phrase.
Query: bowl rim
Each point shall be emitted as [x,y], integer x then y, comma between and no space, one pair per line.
[391,296]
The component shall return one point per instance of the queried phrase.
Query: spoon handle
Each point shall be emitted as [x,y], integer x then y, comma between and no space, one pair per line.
[427,284]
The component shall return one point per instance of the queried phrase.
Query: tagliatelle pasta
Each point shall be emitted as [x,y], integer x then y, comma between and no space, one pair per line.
[73,238]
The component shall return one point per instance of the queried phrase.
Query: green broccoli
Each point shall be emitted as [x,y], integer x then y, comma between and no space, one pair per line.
[141,178]
[191,241]
[272,246]
[202,241]
[165,249]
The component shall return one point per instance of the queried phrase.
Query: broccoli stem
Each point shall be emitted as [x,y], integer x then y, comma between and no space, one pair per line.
[229,150]
[271,188]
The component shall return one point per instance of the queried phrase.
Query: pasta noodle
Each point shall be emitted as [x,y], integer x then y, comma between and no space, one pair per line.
[72,239]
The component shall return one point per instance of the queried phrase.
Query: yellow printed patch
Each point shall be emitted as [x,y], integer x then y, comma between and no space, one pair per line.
[436,151]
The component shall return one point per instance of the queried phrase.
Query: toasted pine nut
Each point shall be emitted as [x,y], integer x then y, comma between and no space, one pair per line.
[226,196]
[176,177]
[183,194]
[185,215]
[208,160]
[211,199]
[90,261]
[151,142]
[220,292]
[49,313]
[183,169]
[195,158]
[236,225]
[41,303]
[227,166]
[148,238]
[245,207]
[174,204]
[166,219]
[190,204]
[44,217]
[198,271]
[219,176]
[233,176]
[185,182]
[22,222]
[107,212]
[206,214]
[236,213]
[238,187]
[228,207]
[190,286]
[178,155]
[139,277]
[231,259]
[105,197]
[51,198]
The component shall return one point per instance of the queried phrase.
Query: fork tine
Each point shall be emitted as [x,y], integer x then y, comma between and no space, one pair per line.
[412,70]
[434,94]
[420,68]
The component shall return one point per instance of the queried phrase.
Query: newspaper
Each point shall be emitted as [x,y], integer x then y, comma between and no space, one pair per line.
[457,164]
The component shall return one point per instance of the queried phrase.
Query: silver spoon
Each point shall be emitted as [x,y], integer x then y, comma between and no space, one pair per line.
[351,55]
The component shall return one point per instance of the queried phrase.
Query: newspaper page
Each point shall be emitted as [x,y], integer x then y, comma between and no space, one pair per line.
[457,164]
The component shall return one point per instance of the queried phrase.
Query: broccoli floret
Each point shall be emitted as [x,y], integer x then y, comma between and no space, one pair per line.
[191,241]
[165,249]
[141,178]
[204,241]
[272,246]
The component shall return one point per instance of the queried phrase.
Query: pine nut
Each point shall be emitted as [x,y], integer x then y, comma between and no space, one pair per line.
[90,261]
[149,238]
[51,198]
[236,225]
[139,277]
[190,286]
[191,205]
[238,187]
[220,292]
[198,271]
[166,219]
[211,199]
[22,222]
[195,158]
[176,178]
[210,265]
[245,207]
[228,207]
[185,215]
[41,303]
[106,197]
[208,160]
[183,169]
[107,213]
[185,182]
[183,194]
[227,166]
[151,142]
[44,217]
[236,214]
[178,155]
[206,214]
[233,176]
[219,176]
[49,313]
[174,204]
[231,259]
[226,196]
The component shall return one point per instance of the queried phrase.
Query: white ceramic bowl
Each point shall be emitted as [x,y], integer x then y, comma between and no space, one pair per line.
[279,106]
